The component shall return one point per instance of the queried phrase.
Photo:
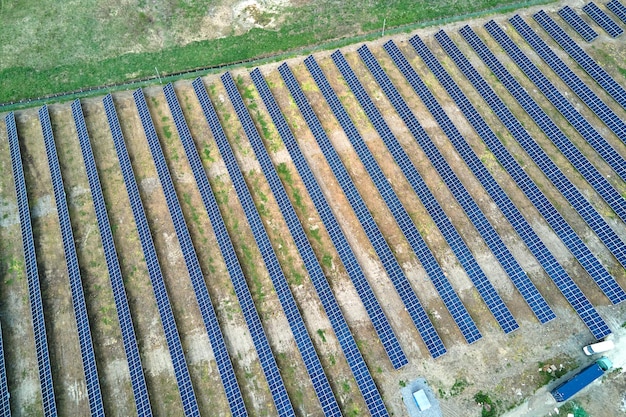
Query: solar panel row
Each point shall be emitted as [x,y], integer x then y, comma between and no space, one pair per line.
[377,316]
[32,274]
[562,142]
[142,401]
[416,311]
[585,61]
[584,30]
[189,254]
[556,221]
[582,126]
[228,253]
[564,282]
[229,381]
[480,280]
[517,274]
[5,406]
[550,169]
[605,281]
[277,387]
[78,297]
[316,372]
[618,9]
[604,112]
[172,337]
[444,288]
[603,20]
[519,277]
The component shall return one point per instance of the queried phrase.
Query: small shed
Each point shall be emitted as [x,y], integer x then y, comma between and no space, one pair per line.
[421,400]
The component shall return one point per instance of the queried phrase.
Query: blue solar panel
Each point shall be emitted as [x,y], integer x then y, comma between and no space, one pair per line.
[618,9]
[603,20]
[582,126]
[172,337]
[556,272]
[482,284]
[607,283]
[584,30]
[348,344]
[189,253]
[32,274]
[613,291]
[508,262]
[403,110]
[233,392]
[399,280]
[576,158]
[5,406]
[374,310]
[585,61]
[281,400]
[78,297]
[460,249]
[594,102]
[604,112]
[565,232]
[228,253]
[142,401]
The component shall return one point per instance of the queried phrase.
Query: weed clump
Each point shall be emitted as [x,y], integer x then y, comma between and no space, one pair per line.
[489,407]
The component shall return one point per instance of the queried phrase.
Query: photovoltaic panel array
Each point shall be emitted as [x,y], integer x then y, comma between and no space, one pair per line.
[233,392]
[480,280]
[606,282]
[78,297]
[364,380]
[605,113]
[32,273]
[602,186]
[563,281]
[585,61]
[567,234]
[181,372]
[373,308]
[140,391]
[567,110]
[377,316]
[590,98]
[277,387]
[410,231]
[580,26]
[484,287]
[416,129]
[609,286]
[618,9]
[414,307]
[603,20]
[5,407]
[238,279]
[189,253]
[478,218]
[514,270]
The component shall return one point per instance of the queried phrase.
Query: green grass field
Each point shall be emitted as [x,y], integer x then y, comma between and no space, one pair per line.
[54,46]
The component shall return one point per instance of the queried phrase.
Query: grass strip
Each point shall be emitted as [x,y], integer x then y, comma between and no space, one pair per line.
[305,32]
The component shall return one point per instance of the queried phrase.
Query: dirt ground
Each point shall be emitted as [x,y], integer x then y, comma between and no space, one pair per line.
[508,369]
